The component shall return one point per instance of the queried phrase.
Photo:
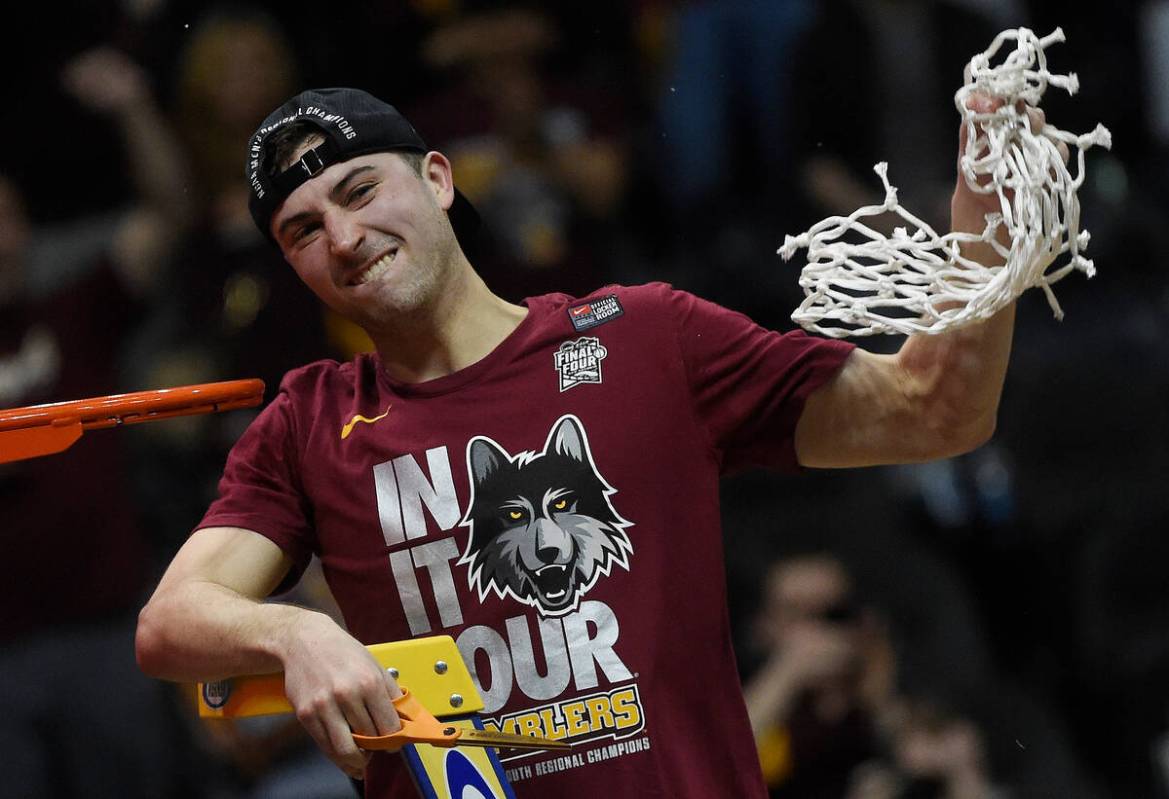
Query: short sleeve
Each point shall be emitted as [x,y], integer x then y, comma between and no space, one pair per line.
[261,488]
[749,384]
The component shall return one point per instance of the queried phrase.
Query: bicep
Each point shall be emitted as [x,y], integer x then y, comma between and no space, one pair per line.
[240,560]
[863,416]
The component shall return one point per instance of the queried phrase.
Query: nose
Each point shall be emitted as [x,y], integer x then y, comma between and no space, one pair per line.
[552,542]
[346,234]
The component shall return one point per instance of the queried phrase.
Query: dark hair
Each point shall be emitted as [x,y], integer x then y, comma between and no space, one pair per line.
[281,147]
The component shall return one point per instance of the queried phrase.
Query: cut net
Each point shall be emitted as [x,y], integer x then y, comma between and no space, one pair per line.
[919,282]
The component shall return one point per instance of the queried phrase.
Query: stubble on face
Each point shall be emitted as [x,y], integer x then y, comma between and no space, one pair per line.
[414,288]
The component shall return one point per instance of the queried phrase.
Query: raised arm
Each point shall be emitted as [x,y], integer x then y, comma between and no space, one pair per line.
[938,396]
[206,621]
[110,83]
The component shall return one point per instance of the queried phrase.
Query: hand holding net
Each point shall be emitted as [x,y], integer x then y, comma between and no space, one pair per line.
[917,281]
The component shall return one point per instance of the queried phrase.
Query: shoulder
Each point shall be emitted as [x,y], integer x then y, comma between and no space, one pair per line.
[613,300]
[324,386]
[315,396]
[325,374]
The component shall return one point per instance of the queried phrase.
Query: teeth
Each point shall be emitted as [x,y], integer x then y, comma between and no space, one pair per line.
[379,267]
[542,569]
[555,595]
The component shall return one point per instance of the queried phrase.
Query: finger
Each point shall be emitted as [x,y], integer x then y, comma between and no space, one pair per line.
[392,682]
[982,103]
[344,751]
[381,708]
[357,716]
[1036,120]
[318,731]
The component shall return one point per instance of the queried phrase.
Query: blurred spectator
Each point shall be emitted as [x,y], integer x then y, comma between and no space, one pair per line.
[721,146]
[72,701]
[233,308]
[936,754]
[543,159]
[928,650]
[236,67]
[875,82]
[724,99]
[829,670]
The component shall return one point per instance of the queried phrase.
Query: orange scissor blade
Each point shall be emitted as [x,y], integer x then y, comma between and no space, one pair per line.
[33,442]
[419,726]
[509,740]
[452,735]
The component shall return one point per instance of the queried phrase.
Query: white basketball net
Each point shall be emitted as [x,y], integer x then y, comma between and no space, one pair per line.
[919,282]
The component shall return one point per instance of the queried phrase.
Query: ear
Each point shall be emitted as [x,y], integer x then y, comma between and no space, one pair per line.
[438,174]
[568,438]
[485,456]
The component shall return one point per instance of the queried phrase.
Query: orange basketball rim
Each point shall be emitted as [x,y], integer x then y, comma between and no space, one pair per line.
[45,429]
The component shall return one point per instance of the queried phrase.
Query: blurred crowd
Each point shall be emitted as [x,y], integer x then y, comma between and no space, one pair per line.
[990,626]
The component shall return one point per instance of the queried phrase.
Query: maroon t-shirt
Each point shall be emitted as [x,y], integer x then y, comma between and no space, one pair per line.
[554,508]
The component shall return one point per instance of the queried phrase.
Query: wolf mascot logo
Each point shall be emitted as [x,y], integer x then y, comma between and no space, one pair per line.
[542,528]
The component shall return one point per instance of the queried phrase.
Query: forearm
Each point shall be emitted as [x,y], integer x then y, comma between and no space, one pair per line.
[156,162]
[958,376]
[107,81]
[206,621]
[204,631]
[770,696]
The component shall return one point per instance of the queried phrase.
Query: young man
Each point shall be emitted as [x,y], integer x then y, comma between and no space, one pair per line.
[538,481]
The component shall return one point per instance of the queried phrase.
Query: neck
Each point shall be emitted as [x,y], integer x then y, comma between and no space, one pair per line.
[462,326]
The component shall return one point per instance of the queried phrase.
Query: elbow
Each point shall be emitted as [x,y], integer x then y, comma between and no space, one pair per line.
[947,432]
[960,438]
[984,432]
[150,642]
[950,418]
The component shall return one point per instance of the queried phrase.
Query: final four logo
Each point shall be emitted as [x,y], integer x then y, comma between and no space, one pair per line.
[580,362]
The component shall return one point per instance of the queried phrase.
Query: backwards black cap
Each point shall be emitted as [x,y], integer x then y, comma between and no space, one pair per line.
[353,123]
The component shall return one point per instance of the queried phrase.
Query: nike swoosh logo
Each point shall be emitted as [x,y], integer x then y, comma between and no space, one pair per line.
[348,428]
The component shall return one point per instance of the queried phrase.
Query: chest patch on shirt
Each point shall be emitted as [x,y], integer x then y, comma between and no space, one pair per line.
[579,361]
[589,314]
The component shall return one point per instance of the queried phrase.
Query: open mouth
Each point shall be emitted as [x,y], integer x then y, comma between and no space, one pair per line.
[553,581]
[377,268]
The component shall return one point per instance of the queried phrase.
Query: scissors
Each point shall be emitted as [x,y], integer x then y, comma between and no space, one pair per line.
[419,726]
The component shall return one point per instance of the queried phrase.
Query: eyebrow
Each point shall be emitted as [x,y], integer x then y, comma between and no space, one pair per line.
[334,194]
[339,189]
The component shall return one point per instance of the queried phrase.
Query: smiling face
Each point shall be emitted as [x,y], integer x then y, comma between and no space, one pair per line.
[370,236]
